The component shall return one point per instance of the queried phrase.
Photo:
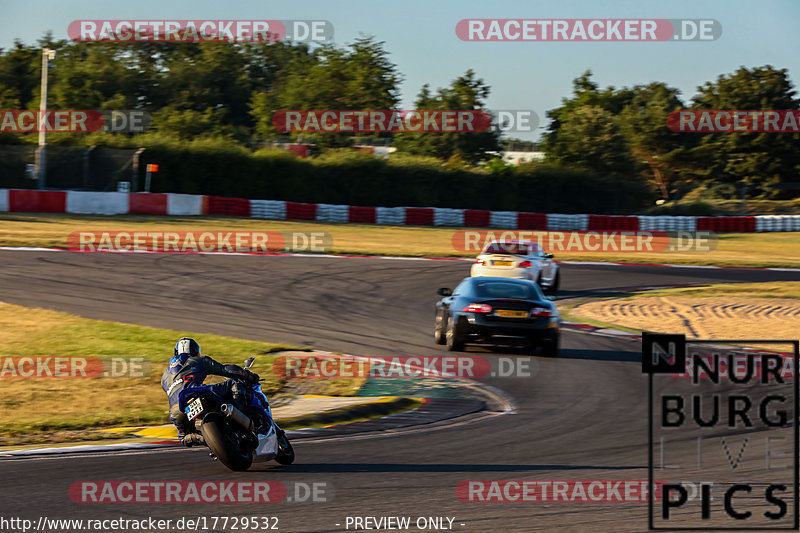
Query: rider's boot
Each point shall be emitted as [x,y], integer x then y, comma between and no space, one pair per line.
[191,439]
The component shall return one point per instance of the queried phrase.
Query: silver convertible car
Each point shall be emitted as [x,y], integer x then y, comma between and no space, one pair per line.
[514,258]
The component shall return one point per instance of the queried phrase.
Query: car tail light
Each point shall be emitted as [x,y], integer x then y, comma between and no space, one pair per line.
[477,308]
[524,264]
[480,262]
[542,312]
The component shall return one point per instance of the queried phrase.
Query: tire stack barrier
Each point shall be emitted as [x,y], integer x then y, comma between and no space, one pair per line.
[536,221]
[232,207]
[474,218]
[338,214]
[361,215]
[443,216]
[567,222]
[269,209]
[390,216]
[726,224]
[419,216]
[115,203]
[613,222]
[503,219]
[295,211]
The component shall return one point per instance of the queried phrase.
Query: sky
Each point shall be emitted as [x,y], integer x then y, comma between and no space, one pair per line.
[421,39]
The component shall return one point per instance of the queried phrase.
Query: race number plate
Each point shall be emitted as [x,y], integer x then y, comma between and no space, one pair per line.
[194,408]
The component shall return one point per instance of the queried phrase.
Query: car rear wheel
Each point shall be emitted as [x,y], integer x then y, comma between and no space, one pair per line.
[454,336]
[549,346]
[438,332]
[556,282]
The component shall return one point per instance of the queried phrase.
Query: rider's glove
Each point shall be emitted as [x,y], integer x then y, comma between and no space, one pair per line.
[251,377]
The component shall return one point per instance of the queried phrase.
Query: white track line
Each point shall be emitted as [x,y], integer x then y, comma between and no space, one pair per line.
[390,257]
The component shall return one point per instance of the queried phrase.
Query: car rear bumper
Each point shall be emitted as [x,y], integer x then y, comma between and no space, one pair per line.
[499,272]
[477,325]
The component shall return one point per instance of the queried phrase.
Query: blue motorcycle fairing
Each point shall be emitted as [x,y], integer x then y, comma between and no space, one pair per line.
[204,391]
[254,402]
[207,391]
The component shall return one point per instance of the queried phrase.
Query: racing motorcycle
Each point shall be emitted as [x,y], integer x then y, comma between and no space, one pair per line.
[236,437]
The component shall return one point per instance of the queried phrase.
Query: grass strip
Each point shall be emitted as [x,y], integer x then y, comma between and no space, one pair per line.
[73,407]
[51,230]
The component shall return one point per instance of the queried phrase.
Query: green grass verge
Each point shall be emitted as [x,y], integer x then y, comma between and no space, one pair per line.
[70,408]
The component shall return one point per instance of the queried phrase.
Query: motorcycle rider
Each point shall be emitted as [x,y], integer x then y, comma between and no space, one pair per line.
[188,368]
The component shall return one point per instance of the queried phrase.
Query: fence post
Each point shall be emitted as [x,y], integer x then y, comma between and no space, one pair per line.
[135,170]
[86,165]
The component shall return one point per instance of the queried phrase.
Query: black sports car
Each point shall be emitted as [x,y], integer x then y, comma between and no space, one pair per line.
[493,310]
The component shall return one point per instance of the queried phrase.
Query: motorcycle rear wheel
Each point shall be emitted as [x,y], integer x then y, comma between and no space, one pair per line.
[223,446]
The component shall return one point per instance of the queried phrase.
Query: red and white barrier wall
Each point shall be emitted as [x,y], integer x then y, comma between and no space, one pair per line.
[116,203]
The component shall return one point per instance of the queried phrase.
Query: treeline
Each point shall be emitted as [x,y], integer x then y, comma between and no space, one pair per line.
[228,93]
[623,131]
[214,102]
[354,178]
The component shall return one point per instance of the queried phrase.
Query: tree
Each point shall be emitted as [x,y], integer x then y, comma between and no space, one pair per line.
[92,76]
[583,132]
[585,92]
[466,92]
[590,139]
[19,75]
[758,161]
[360,76]
[208,76]
[666,154]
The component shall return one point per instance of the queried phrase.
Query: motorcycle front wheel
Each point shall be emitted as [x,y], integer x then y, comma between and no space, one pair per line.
[285,455]
[224,445]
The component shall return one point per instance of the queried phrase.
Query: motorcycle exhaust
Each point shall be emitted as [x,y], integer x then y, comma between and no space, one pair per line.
[237,416]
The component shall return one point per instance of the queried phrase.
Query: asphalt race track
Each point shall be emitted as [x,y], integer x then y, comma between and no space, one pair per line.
[583,416]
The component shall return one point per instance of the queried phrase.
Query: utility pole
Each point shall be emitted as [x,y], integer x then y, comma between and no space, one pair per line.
[41,160]
[135,170]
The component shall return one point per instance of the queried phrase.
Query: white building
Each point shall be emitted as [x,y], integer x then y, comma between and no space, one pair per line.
[513,157]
